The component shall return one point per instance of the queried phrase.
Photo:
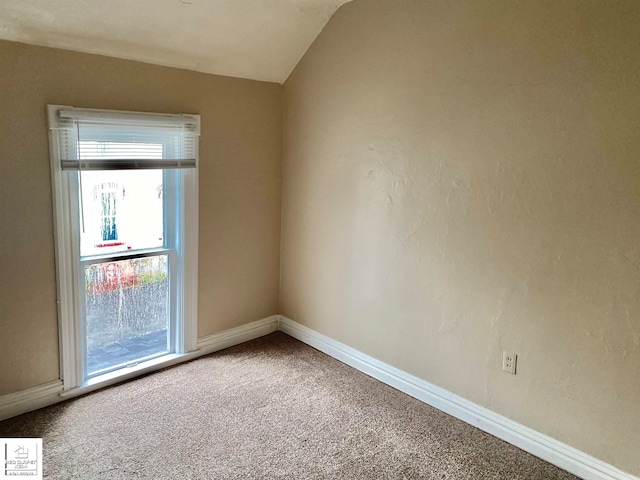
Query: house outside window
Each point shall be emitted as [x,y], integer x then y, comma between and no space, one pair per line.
[109,226]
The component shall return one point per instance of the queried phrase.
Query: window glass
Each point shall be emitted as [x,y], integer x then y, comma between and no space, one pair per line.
[127,311]
[121,210]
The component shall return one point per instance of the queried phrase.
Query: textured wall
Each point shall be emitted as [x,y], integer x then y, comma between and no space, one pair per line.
[462,178]
[240,174]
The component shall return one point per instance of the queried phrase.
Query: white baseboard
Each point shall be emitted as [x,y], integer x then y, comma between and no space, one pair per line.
[235,336]
[538,444]
[50,393]
[529,440]
[30,399]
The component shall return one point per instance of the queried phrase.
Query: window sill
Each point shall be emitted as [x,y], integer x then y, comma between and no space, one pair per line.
[128,373]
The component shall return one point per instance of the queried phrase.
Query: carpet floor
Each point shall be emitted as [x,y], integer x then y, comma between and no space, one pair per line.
[272,408]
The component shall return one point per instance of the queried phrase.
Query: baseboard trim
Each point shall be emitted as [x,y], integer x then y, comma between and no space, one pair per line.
[529,440]
[235,336]
[50,393]
[30,399]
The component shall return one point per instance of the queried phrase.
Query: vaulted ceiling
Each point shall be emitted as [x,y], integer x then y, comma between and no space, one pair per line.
[256,39]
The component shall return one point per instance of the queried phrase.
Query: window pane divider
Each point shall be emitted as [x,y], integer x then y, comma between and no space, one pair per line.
[126,255]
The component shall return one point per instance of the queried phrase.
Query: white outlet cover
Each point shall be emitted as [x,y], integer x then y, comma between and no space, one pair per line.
[509,361]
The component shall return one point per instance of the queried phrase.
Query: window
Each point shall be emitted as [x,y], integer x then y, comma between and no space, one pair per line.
[108,217]
[126,213]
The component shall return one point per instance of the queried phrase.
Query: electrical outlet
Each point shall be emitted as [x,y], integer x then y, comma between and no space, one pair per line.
[509,360]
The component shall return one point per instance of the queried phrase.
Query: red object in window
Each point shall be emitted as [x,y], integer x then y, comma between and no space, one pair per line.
[113,276]
[109,244]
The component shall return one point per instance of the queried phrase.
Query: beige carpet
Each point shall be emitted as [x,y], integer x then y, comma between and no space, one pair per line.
[272,408]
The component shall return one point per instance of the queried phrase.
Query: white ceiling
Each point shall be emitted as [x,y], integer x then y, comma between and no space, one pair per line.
[256,39]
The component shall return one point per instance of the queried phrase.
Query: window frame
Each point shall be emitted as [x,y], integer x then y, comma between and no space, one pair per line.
[69,265]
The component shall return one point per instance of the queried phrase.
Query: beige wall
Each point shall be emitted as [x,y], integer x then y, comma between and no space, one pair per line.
[459,178]
[240,174]
[464,177]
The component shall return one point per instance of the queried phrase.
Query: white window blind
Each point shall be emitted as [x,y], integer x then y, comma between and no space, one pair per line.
[90,139]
